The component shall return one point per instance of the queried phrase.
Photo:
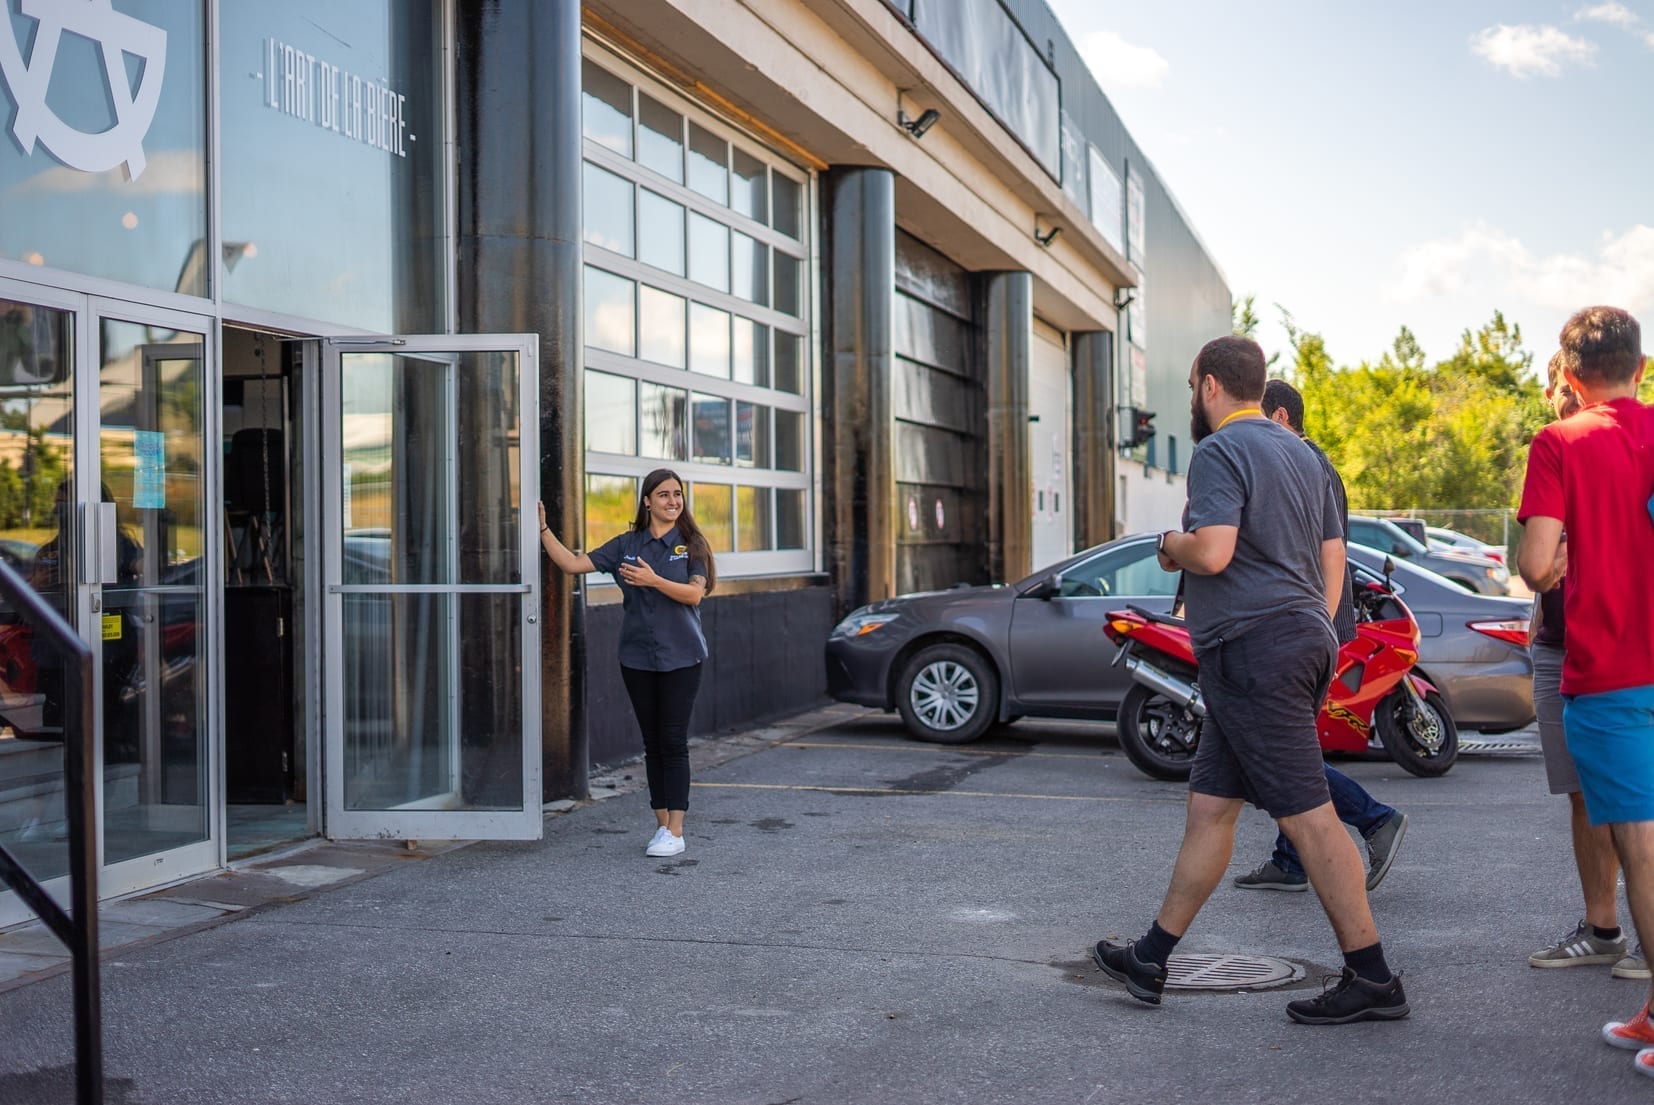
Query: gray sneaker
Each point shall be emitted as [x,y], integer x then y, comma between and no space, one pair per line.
[1580,948]
[1382,847]
[1269,877]
[1633,965]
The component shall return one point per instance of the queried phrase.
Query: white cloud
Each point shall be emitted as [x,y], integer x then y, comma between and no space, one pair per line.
[1526,50]
[1611,12]
[1487,261]
[1117,63]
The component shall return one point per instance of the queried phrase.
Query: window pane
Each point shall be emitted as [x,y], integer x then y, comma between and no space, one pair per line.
[752,518]
[752,435]
[709,340]
[788,275]
[611,413]
[789,363]
[608,209]
[750,269]
[606,108]
[788,194]
[611,507]
[713,509]
[752,352]
[751,194]
[660,326]
[663,417]
[708,252]
[789,518]
[789,441]
[608,311]
[660,222]
[708,164]
[711,423]
[660,138]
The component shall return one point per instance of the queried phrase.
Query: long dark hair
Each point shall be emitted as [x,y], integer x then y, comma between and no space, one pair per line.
[692,535]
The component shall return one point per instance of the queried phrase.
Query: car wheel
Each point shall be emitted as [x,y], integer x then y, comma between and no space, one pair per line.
[1420,737]
[949,694]
[1158,736]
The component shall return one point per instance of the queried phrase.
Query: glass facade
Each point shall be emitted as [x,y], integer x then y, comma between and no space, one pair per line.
[695,321]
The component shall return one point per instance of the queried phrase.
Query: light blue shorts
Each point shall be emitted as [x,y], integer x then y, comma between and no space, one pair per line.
[1611,738]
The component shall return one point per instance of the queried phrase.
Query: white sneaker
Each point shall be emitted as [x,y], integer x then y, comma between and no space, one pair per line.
[660,831]
[665,845]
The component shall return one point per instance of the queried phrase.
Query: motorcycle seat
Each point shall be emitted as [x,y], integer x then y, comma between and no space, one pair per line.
[1151,616]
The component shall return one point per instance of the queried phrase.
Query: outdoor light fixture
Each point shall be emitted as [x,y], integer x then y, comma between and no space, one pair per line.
[1123,298]
[1049,236]
[918,127]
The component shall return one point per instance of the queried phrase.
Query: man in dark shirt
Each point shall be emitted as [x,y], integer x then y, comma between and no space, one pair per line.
[1262,554]
[1381,826]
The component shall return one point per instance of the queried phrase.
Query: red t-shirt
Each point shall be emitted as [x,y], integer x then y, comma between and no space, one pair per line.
[1595,472]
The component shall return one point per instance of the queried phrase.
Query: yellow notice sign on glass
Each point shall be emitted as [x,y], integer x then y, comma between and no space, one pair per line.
[111,627]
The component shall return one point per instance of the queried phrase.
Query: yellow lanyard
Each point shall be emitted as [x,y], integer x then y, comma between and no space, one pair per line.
[1247,412]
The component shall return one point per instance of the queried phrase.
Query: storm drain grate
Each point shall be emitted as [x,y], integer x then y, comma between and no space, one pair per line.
[1229,972]
[1519,748]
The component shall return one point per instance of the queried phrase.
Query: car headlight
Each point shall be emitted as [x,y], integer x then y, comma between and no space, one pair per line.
[861,623]
[1498,575]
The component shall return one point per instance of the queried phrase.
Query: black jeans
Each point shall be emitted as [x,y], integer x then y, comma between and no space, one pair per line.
[663,701]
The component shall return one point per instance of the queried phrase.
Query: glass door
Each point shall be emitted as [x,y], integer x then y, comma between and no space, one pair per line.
[430,479]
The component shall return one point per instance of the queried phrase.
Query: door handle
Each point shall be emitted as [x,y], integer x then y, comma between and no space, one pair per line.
[108,534]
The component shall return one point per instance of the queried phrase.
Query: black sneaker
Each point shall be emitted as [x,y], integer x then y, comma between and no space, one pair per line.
[1120,962]
[1352,999]
[1382,847]
[1268,876]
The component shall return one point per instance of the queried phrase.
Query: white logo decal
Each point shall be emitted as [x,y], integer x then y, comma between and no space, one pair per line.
[116,35]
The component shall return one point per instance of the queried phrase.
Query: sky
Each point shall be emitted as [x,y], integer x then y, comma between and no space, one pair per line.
[1368,166]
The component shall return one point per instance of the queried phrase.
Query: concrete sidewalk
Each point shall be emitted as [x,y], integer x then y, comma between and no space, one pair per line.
[860,919]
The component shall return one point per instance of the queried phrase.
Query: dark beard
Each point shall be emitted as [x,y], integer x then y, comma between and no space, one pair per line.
[1200,427]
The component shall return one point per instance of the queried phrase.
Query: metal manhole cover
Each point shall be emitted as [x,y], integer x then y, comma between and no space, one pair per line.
[1229,972]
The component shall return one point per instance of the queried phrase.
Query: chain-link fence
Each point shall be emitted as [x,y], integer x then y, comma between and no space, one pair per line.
[1492,527]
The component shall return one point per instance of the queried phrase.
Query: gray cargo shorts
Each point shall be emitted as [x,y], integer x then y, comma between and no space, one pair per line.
[1560,772]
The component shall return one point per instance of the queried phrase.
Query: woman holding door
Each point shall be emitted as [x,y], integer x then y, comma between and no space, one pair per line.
[664,567]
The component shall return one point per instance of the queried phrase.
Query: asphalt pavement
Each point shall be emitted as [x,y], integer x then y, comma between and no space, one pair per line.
[862,919]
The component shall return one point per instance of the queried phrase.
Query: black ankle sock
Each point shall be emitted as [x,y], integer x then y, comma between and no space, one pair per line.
[1605,934]
[1368,963]
[1156,946]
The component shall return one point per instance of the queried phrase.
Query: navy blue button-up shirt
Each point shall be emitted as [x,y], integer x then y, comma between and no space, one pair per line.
[657,633]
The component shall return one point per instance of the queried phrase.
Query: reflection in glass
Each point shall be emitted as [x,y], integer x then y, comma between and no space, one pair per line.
[751,193]
[611,413]
[752,352]
[660,327]
[609,319]
[710,415]
[605,108]
[789,519]
[789,276]
[425,669]
[708,164]
[750,269]
[659,138]
[36,465]
[789,363]
[752,516]
[752,435]
[789,441]
[788,195]
[660,226]
[663,415]
[611,507]
[152,648]
[708,340]
[708,252]
[714,513]
[608,209]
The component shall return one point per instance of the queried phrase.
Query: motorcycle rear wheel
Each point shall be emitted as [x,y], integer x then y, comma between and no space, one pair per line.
[1425,745]
[1151,729]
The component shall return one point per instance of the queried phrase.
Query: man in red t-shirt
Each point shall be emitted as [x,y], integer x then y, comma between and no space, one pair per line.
[1592,476]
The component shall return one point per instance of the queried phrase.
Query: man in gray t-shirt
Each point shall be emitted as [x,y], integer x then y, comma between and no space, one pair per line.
[1262,554]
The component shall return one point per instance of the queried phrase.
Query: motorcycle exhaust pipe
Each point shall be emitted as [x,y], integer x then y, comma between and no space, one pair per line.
[1180,691]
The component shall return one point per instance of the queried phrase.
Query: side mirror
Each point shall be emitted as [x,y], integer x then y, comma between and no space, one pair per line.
[1401,550]
[1389,567]
[1048,588]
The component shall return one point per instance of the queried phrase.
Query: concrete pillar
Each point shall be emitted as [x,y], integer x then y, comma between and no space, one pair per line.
[1094,437]
[1006,320]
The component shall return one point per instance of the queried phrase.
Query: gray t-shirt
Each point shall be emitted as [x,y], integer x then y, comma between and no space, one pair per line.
[1259,476]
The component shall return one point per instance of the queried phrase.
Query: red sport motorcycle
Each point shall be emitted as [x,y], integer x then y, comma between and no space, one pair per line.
[1375,702]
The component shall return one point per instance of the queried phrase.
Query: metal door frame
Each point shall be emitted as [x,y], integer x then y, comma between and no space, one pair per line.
[407,823]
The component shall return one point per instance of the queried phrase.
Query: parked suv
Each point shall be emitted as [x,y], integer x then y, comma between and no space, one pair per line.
[1474,573]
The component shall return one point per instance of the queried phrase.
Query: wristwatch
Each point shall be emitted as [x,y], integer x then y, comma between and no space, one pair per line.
[1160,542]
